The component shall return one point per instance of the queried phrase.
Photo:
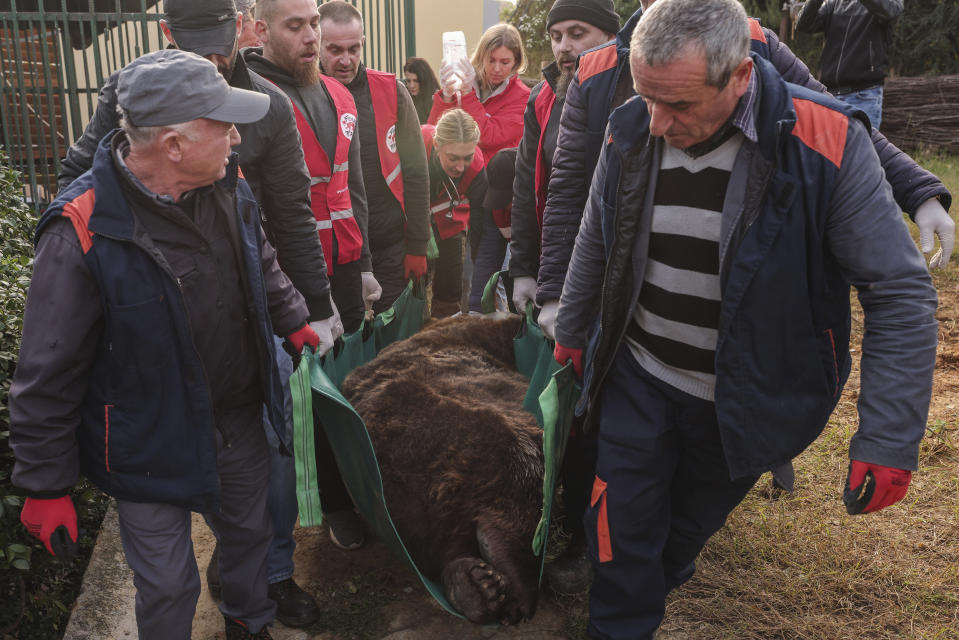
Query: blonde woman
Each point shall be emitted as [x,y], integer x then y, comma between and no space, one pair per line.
[457,188]
[491,90]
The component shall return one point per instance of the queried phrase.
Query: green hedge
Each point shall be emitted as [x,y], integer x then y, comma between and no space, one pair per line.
[36,590]
[16,252]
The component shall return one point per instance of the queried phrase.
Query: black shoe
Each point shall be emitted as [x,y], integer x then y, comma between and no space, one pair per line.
[237,630]
[294,606]
[213,573]
[784,477]
[571,573]
[346,529]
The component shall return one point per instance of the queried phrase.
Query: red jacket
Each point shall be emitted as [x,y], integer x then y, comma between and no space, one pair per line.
[500,117]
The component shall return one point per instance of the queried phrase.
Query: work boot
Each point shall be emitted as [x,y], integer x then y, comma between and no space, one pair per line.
[294,606]
[571,573]
[237,630]
[213,573]
[784,477]
[346,529]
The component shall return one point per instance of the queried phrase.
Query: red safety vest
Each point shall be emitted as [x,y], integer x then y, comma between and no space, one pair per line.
[329,188]
[452,216]
[542,108]
[383,97]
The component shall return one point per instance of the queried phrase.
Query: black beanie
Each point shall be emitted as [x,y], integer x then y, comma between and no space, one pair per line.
[599,13]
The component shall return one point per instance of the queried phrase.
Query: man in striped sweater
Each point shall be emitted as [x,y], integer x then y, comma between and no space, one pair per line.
[709,287]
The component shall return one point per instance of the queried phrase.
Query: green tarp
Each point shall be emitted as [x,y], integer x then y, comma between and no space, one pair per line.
[551,396]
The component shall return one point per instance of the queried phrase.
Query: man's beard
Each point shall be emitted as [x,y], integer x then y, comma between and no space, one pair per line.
[306,75]
[562,83]
[227,72]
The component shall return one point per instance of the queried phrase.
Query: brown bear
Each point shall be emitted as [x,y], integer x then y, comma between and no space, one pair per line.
[462,462]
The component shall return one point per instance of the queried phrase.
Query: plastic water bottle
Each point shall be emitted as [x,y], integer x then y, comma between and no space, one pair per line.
[454,49]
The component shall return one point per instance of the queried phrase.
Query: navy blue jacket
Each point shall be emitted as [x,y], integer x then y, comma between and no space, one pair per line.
[602,83]
[146,425]
[808,213]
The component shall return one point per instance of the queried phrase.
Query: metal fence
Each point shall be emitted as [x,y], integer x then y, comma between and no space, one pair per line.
[55,54]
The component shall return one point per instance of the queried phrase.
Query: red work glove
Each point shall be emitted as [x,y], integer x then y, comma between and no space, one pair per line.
[45,517]
[883,487]
[415,265]
[303,336]
[562,354]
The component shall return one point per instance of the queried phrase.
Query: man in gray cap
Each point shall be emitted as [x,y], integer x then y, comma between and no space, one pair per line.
[148,353]
[272,160]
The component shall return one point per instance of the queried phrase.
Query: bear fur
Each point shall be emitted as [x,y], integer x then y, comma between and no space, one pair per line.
[462,462]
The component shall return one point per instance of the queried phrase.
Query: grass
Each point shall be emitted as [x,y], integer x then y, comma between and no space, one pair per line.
[798,567]
[946,167]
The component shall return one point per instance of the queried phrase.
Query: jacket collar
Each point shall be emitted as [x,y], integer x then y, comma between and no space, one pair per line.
[551,74]
[241,74]
[626,33]
[111,212]
[501,88]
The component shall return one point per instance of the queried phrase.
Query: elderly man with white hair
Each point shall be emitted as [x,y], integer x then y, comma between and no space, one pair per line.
[148,352]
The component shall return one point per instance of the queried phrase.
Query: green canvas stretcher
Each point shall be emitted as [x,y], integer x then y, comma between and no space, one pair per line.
[315,389]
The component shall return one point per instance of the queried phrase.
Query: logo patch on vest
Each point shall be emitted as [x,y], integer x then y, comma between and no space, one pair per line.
[391,139]
[348,125]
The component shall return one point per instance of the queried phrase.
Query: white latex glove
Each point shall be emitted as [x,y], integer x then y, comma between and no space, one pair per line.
[466,72]
[547,318]
[524,290]
[931,219]
[337,321]
[371,288]
[449,79]
[324,329]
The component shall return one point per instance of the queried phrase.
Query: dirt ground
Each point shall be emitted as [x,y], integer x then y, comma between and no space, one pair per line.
[366,594]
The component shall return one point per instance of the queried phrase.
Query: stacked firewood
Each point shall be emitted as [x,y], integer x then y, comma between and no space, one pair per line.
[922,113]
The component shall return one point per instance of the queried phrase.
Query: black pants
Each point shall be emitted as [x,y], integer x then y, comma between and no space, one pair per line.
[388,266]
[346,287]
[578,470]
[333,493]
[448,281]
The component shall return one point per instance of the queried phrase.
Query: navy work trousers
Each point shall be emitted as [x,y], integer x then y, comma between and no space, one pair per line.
[662,488]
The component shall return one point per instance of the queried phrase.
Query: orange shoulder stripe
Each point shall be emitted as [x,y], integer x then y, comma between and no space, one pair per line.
[821,129]
[597,61]
[78,211]
[756,30]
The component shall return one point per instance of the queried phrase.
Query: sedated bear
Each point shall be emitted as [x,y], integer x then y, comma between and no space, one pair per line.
[462,462]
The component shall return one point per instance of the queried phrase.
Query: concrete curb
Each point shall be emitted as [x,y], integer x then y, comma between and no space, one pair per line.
[104,608]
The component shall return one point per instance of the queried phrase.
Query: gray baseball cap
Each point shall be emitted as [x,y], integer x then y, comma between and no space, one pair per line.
[202,26]
[172,86]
